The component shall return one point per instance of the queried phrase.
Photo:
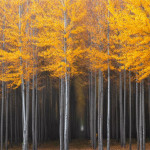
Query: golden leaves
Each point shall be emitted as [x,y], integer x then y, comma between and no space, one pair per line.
[132,23]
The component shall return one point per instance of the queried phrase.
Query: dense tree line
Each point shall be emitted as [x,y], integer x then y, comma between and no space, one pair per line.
[72,69]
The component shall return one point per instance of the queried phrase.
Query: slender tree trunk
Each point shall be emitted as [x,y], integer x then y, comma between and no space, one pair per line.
[117,136]
[94,115]
[124,123]
[67,78]
[24,145]
[34,97]
[27,111]
[2,115]
[2,105]
[36,112]
[100,111]
[68,85]
[98,126]
[140,119]
[108,92]
[15,118]
[121,111]
[137,115]
[27,87]
[11,117]
[143,115]
[91,109]
[66,119]
[42,116]
[6,133]
[130,110]
[61,127]
[89,104]
[108,112]
[33,113]
[113,112]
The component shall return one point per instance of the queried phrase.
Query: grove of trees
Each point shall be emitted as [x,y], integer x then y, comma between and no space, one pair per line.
[74,69]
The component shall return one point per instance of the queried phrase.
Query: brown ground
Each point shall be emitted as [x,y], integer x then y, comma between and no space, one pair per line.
[81,145]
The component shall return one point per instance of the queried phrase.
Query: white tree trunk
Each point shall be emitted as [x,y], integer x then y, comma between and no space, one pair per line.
[108,92]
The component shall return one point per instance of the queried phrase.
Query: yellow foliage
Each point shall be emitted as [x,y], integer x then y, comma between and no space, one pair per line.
[131,20]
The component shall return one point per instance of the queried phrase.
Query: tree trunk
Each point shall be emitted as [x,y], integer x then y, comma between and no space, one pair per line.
[140,119]
[2,115]
[27,88]
[61,126]
[36,113]
[91,109]
[117,136]
[149,101]
[137,115]
[94,115]
[67,78]
[24,145]
[66,119]
[33,113]
[98,126]
[15,117]
[124,123]
[100,111]
[108,112]
[27,111]
[2,105]
[130,110]
[11,117]
[6,133]
[143,115]
[108,92]
[121,111]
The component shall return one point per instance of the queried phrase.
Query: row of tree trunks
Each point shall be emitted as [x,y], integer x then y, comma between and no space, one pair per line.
[12,127]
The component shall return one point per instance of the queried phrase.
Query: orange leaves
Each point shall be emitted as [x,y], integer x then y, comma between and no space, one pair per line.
[132,22]
[98,59]
[66,35]
[17,53]
[53,36]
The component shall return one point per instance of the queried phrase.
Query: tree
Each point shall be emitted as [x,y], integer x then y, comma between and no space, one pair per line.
[61,45]
[17,54]
[131,26]
[132,23]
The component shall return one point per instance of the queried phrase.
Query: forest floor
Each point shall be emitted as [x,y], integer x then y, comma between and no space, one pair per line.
[82,145]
